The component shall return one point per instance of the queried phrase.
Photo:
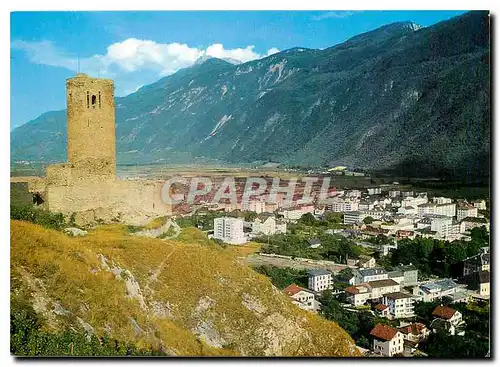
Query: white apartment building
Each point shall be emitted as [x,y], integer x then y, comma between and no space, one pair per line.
[435,290]
[358,294]
[229,230]
[480,204]
[446,209]
[414,201]
[256,206]
[354,217]
[466,211]
[297,213]
[374,190]
[368,275]
[400,304]
[269,226]
[319,280]
[340,205]
[441,200]
[446,228]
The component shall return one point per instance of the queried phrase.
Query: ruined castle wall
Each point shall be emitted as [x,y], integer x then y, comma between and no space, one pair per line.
[120,199]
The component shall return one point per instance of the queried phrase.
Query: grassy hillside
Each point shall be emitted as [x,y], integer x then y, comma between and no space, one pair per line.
[185,297]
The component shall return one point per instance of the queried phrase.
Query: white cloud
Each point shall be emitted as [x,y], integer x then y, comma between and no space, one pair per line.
[133,55]
[272,51]
[333,14]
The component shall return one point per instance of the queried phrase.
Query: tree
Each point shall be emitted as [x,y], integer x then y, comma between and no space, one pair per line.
[308,219]
[345,274]
[250,216]
[368,220]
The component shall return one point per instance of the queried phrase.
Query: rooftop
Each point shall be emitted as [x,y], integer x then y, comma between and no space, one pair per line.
[415,328]
[293,289]
[371,271]
[439,285]
[384,332]
[381,307]
[382,283]
[398,295]
[443,312]
[318,272]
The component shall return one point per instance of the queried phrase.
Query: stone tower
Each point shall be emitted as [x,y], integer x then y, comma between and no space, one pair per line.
[91,126]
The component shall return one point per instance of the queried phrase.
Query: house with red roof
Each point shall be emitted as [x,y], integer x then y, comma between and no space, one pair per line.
[448,314]
[302,297]
[387,340]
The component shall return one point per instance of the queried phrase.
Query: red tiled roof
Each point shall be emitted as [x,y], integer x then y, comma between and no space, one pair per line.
[352,290]
[443,312]
[415,328]
[293,289]
[380,307]
[384,332]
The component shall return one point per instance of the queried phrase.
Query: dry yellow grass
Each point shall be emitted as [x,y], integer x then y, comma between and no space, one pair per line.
[203,287]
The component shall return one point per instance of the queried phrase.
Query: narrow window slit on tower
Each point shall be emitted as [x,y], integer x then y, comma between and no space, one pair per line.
[88,100]
[93,101]
[99,99]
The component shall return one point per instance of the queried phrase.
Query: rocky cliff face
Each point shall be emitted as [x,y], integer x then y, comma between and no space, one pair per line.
[186,296]
[400,97]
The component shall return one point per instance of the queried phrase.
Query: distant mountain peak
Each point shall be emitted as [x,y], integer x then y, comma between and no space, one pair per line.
[204,58]
[408,25]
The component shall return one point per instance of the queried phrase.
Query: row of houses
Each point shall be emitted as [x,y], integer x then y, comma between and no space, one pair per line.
[389,341]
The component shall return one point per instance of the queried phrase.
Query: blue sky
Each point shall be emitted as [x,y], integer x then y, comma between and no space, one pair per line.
[138,48]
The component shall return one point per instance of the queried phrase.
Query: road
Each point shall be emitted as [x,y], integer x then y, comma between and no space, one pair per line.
[257,260]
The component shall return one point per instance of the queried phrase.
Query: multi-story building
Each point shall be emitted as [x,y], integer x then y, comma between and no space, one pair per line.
[465,211]
[414,201]
[396,275]
[296,213]
[410,274]
[435,290]
[469,223]
[374,190]
[229,230]
[360,293]
[477,263]
[319,280]
[394,193]
[339,205]
[369,274]
[400,304]
[355,217]
[447,209]
[484,283]
[445,227]
[387,340]
[441,200]
[479,204]
[379,288]
[268,226]
[257,206]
